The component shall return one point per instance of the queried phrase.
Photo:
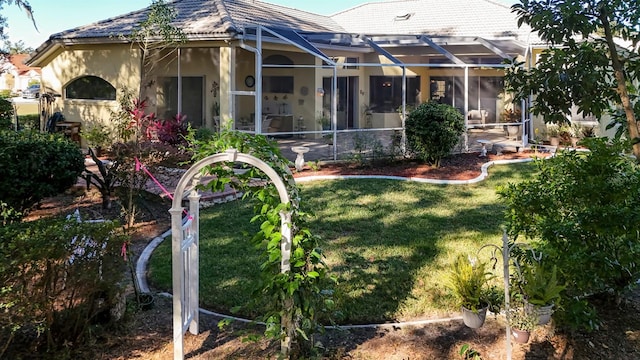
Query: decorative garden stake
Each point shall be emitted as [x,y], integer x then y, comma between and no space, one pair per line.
[506,251]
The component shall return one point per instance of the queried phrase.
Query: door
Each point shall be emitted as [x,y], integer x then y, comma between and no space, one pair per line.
[347,97]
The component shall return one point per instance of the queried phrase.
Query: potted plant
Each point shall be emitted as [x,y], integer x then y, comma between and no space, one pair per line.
[564,133]
[324,122]
[541,289]
[97,138]
[468,281]
[553,131]
[522,322]
[576,132]
[512,117]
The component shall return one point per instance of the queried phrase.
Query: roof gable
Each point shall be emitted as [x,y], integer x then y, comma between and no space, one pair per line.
[18,62]
[209,19]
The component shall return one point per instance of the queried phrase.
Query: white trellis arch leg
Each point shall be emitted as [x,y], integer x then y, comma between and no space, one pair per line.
[185,245]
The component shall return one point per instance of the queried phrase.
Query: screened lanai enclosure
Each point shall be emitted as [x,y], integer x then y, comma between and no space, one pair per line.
[343,95]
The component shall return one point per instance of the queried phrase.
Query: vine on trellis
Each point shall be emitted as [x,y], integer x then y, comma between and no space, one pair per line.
[304,293]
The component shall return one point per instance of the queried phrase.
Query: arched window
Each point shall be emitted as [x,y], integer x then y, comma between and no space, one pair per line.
[90,88]
[277,60]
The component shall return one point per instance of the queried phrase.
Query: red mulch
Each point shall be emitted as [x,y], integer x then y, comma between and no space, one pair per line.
[456,167]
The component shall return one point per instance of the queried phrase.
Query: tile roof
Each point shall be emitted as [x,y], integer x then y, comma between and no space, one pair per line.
[483,18]
[18,61]
[210,19]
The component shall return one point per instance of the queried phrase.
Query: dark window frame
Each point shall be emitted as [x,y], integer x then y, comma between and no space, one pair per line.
[89,87]
[193,98]
[385,92]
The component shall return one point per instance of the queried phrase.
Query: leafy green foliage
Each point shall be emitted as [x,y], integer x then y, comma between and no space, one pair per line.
[296,298]
[120,117]
[519,317]
[468,282]
[35,166]
[433,130]
[105,182]
[6,114]
[60,280]
[581,209]
[29,121]
[540,284]
[583,65]
[203,134]
[466,352]
[558,90]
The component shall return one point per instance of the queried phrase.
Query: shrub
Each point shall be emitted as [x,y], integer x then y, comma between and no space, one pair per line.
[172,131]
[581,211]
[367,149]
[29,121]
[203,134]
[59,283]
[35,166]
[433,130]
[6,114]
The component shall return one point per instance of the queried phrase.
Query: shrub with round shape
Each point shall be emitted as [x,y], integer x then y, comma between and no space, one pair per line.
[433,130]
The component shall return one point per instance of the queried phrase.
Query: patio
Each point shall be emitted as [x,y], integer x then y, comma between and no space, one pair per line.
[352,143]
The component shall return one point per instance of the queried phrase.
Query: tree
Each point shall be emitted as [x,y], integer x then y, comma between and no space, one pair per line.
[584,65]
[17,47]
[157,39]
[24,5]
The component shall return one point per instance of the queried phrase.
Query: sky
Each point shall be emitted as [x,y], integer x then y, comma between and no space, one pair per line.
[53,16]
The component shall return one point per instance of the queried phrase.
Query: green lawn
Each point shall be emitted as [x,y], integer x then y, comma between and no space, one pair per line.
[389,243]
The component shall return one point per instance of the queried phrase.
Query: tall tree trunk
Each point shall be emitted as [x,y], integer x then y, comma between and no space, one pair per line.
[621,88]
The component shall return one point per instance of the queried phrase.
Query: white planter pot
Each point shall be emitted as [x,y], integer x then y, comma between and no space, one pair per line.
[473,319]
[544,312]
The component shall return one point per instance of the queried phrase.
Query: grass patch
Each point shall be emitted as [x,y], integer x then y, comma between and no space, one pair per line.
[389,242]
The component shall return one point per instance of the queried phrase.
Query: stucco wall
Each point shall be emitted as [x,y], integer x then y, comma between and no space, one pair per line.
[117,64]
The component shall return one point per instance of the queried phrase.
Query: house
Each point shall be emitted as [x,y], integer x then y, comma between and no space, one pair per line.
[273,69]
[16,75]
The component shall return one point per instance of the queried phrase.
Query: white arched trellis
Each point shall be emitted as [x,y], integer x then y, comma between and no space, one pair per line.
[185,242]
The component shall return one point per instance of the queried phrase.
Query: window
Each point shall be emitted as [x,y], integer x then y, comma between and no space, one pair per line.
[484,93]
[277,60]
[386,92]
[192,98]
[277,84]
[90,88]
[351,60]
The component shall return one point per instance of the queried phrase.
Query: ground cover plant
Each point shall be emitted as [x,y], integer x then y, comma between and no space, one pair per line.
[390,244]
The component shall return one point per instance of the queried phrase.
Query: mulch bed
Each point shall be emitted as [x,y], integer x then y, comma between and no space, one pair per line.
[464,166]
